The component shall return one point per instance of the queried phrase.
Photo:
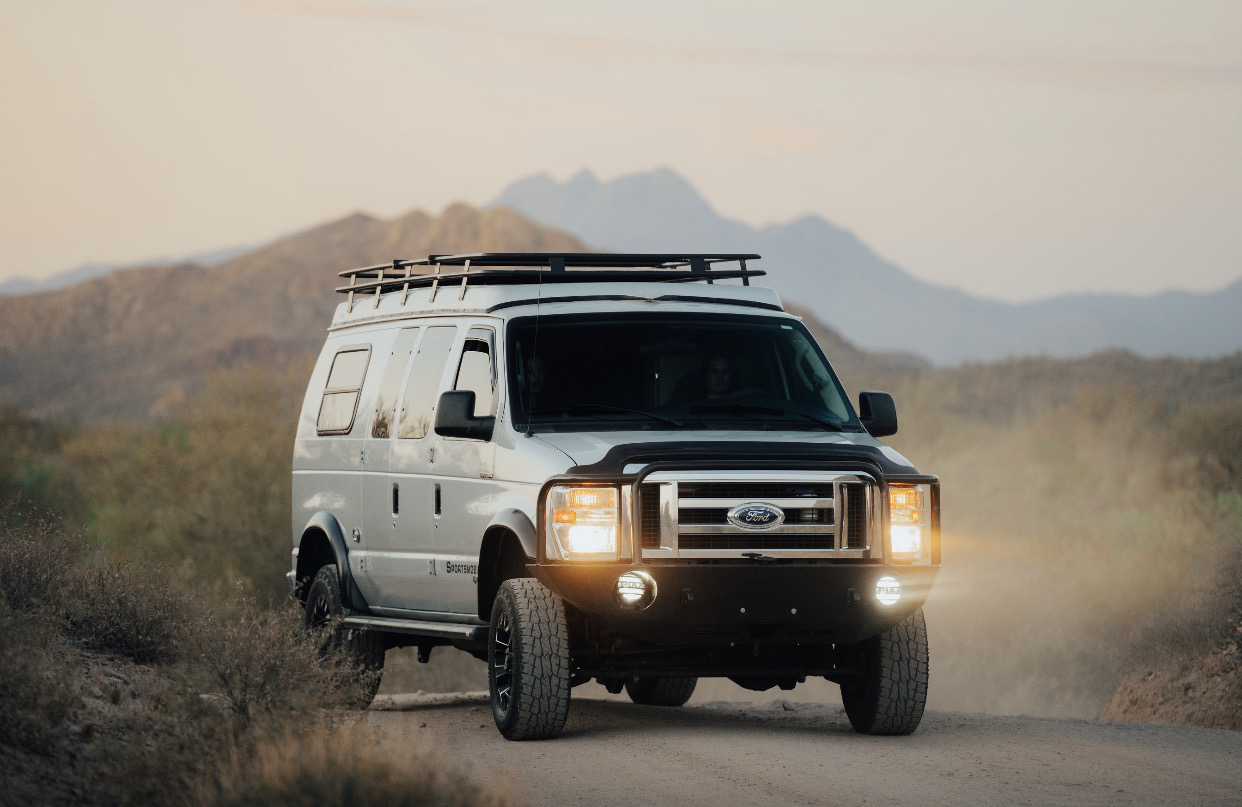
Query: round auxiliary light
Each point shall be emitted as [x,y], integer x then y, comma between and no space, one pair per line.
[635,591]
[888,589]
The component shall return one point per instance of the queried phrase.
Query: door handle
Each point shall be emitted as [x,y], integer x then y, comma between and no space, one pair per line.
[396,498]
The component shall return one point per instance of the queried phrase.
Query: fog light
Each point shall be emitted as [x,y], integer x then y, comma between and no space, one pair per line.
[888,589]
[635,591]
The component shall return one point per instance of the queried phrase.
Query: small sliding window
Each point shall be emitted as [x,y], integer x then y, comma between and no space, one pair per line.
[340,396]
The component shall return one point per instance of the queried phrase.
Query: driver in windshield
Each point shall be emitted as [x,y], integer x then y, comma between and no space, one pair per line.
[718,377]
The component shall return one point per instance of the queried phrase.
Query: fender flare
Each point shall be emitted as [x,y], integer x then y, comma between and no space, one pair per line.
[520,525]
[326,523]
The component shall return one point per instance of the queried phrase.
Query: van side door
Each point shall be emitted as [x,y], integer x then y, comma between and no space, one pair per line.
[405,575]
[381,495]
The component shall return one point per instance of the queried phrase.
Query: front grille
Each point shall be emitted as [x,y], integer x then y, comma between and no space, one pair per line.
[854,536]
[649,516]
[828,513]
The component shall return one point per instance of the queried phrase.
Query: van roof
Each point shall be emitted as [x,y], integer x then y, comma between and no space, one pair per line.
[489,282]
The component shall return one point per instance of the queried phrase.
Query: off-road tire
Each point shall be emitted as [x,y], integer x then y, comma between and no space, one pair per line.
[528,661]
[324,605]
[889,696]
[661,691]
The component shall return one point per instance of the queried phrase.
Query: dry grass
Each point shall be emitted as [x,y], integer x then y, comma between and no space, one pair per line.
[37,692]
[266,668]
[344,768]
[149,695]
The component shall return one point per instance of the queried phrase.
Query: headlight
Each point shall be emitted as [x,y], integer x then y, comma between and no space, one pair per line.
[583,523]
[909,522]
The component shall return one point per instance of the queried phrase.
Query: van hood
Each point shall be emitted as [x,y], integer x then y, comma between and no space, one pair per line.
[625,452]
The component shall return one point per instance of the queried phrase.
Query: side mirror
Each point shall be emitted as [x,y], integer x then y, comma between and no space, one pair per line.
[455,417]
[877,412]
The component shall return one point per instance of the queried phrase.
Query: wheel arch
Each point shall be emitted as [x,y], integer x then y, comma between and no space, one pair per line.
[323,542]
[508,545]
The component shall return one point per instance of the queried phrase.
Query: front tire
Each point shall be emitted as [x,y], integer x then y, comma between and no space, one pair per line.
[661,691]
[528,661]
[324,607]
[891,692]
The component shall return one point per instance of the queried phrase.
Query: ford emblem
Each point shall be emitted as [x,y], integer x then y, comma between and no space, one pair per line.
[756,516]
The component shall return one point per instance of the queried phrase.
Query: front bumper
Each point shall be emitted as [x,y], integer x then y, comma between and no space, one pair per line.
[705,604]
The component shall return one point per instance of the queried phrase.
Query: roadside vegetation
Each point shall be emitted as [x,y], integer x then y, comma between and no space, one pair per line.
[1092,550]
[118,687]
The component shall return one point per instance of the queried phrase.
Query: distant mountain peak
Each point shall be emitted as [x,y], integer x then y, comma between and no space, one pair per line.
[832,273]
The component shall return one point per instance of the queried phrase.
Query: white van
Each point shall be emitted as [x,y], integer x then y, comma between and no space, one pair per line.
[637,469]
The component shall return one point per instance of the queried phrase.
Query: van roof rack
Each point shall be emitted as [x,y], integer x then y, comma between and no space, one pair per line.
[488,268]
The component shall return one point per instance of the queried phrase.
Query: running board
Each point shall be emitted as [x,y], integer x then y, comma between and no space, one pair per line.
[440,630]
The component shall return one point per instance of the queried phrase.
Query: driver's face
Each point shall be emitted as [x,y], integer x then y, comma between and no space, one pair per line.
[719,377]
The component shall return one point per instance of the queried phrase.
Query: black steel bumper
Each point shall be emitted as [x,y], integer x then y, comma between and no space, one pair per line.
[718,604]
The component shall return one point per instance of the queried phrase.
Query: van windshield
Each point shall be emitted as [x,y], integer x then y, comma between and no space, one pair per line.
[671,371]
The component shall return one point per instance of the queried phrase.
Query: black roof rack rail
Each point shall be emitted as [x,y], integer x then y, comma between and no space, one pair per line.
[490,268]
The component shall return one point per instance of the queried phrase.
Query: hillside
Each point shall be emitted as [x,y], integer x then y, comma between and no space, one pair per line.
[135,343]
[871,301]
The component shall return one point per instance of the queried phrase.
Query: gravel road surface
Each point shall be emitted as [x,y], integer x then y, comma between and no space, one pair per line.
[718,754]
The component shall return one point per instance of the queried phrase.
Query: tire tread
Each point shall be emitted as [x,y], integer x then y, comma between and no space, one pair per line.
[893,695]
[540,688]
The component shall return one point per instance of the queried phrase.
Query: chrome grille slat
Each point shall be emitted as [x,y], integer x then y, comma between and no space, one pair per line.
[731,502]
[731,531]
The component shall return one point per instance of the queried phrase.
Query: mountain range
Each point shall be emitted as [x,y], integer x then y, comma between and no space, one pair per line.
[87,271]
[135,343]
[869,300]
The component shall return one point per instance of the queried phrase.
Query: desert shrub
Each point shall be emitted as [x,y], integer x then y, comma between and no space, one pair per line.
[266,667]
[344,768]
[28,448]
[37,558]
[130,611]
[1207,440]
[207,494]
[37,691]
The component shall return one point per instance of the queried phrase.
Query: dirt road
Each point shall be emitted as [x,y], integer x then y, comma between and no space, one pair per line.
[719,754]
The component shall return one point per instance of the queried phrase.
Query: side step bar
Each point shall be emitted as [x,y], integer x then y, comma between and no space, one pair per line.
[440,630]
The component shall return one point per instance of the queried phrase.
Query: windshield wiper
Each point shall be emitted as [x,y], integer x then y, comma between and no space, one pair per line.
[756,408]
[593,407]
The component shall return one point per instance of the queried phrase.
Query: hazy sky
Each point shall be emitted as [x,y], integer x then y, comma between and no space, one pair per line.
[1016,150]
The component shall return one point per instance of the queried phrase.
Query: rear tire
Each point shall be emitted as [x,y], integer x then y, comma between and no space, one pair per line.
[661,691]
[889,697]
[324,610]
[528,661]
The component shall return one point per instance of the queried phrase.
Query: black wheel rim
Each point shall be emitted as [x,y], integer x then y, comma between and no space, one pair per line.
[319,612]
[502,663]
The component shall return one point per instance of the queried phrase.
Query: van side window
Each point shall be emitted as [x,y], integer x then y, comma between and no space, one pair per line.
[423,387]
[390,384]
[477,371]
[340,396]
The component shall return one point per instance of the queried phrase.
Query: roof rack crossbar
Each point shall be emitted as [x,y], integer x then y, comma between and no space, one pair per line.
[486,268]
